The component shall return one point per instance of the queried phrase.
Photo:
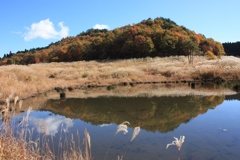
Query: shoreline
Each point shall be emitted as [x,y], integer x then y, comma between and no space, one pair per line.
[35,79]
[138,90]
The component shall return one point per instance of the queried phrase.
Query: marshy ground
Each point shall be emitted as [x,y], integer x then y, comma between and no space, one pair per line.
[26,81]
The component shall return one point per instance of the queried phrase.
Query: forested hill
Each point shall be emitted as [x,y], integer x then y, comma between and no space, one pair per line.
[158,37]
[232,48]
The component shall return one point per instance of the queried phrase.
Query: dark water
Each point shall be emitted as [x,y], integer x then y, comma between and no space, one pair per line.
[210,124]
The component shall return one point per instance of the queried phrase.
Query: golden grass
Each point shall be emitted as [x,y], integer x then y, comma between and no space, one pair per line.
[33,79]
[13,148]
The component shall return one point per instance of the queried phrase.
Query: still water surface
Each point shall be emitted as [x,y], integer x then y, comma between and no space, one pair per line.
[210,125]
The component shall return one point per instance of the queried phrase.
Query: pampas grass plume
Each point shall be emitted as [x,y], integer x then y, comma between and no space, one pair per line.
[135,133]
[122,127]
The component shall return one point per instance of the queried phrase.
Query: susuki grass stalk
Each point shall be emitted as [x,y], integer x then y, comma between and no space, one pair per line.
[23,143]
[134,135]
[123,128]
[178,143]
[87,144]
[120,128]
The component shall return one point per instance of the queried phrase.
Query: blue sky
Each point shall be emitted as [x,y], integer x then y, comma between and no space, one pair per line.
[27,24]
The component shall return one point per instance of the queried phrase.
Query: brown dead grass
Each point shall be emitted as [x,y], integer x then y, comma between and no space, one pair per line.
[30,80]
[14,148]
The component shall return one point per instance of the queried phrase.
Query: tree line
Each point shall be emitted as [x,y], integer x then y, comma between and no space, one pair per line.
[149,38]
[232,48]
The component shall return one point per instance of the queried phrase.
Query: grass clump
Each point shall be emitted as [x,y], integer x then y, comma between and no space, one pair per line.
[168,73]
[13,148]
[85,75]
[111,87]
[208,75]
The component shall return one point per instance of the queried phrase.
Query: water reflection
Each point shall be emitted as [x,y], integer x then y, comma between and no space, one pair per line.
[136,131]
[209,123]
[156,114]
[178,143]
[50,125]
[123,127]
[161,114]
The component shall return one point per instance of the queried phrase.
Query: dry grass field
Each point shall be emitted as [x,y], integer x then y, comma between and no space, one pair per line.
[26,81]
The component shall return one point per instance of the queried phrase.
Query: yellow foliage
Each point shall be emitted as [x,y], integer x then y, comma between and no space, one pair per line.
[210,55]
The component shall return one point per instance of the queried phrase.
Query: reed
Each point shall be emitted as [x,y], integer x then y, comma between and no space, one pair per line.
[178,143]
[123,127]
[19,141]
[135,133]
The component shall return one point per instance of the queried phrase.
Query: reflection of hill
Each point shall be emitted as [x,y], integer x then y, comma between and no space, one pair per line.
[233,97]
[154,114]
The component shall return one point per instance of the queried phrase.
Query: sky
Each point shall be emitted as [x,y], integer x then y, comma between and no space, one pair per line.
[27,24]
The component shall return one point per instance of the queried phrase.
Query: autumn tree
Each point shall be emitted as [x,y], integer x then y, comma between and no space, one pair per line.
[57,55]
[74,52]
[218,49]
[190,48]
[44,57]
[215,47]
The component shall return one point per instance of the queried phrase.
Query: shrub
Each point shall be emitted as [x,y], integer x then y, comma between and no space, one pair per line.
[210,55]
[167,73]
[208,75]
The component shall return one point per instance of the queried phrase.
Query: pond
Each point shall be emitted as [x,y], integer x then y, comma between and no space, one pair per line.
[209,121]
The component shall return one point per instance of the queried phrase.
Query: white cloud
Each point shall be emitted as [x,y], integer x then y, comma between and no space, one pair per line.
[45,29]
[105,125]
[52,124]
[101,26]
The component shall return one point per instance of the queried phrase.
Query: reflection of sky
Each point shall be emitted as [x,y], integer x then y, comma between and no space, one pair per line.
[105,125]
[216,130]
[50,124]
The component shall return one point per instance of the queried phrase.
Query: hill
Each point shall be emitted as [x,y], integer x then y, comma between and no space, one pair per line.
[149,38]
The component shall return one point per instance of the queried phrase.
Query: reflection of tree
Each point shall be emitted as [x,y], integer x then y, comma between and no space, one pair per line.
[152,113]
[233,97]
